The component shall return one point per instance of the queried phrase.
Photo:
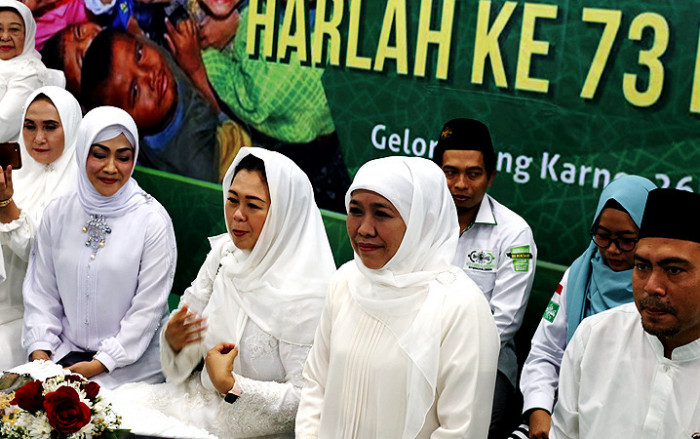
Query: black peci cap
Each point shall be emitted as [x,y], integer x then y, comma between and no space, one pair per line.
[671,213]
[466,135]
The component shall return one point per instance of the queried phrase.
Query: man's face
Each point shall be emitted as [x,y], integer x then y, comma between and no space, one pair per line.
[141,83]
[666,285]
[466,177]
[76,40]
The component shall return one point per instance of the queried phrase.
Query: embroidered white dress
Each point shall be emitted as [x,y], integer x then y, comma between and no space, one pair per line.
[268,372]
[267,301]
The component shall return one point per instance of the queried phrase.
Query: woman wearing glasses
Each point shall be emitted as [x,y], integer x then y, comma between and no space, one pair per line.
[599,279]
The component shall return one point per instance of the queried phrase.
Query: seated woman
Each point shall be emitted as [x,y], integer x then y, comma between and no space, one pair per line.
[261,291]
[406,346]
[50,125]
[21,69]
[100,273]
[599,279]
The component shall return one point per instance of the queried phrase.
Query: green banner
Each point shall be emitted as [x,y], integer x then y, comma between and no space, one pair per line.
[574,93]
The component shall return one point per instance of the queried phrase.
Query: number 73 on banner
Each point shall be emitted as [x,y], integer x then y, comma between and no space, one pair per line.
[649,58]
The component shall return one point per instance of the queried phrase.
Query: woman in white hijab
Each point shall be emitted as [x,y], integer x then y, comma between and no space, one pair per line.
[260,291]
[406,346]
[21,69]
[102,266]
[50,118]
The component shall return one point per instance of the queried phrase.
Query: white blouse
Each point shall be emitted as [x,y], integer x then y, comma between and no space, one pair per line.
[113,303]
[16,240]
[356,375]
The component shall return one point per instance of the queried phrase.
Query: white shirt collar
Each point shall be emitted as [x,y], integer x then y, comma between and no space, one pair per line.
[690,351]
[485,213]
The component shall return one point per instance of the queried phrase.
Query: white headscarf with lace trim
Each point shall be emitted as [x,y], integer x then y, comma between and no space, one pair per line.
[280,284]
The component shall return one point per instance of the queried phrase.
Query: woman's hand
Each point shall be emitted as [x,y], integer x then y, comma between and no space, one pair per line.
[184,328]
[88,369]
[219,362]
[6,188]
[540,423]
[40,355]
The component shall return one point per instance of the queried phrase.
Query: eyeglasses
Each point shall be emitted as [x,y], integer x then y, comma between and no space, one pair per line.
[623,244]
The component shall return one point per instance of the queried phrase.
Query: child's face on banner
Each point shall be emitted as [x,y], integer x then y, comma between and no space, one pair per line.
[219,8]
[141,83]
[76,40]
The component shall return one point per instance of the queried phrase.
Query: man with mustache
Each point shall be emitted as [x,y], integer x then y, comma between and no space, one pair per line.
[620,378]
[496,250]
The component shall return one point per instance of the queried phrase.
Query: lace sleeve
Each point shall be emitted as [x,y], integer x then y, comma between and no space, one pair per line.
[266,407]
[177,367]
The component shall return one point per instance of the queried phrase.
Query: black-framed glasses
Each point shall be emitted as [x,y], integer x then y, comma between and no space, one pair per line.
[623,244]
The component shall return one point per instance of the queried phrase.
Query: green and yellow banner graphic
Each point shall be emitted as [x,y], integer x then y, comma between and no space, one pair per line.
[574,93]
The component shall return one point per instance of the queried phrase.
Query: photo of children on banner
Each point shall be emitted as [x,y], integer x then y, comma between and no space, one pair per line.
[216,97]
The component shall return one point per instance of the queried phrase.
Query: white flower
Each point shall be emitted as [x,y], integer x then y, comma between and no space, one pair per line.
[39,426]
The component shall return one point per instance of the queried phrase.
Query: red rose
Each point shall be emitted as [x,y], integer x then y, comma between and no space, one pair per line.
[65,411]
[92,389]
[73,378]
[29,397]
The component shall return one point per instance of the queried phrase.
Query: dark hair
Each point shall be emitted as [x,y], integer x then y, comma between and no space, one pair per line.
[41,97]
[54,52]
[11,9]
[610,204]
[251,163]
[97,68]
[466,135]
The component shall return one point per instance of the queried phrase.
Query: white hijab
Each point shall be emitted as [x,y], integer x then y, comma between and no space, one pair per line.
[36,184]
[281,283]
[98,125]
[416,279]
[29,52]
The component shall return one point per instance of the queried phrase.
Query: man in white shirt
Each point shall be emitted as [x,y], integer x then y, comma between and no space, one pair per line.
[623,379]
[496,249]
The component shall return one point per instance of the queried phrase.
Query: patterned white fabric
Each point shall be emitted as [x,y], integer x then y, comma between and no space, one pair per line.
[267,301]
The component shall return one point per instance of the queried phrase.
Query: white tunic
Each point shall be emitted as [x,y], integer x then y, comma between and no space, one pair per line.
[487,252]
[113,304]
[540,375]
[616,383]
[356,374]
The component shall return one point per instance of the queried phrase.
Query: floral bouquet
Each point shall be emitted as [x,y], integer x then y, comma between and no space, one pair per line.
[60,407]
